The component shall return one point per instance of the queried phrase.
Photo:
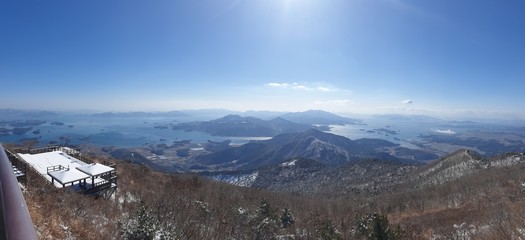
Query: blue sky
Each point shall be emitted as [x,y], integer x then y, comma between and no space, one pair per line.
[442,58]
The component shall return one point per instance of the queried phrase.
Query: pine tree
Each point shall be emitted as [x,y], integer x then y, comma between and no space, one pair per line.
[327,231]
[287,218]
[265,210]
[143,226]
[376,227]
[265,222]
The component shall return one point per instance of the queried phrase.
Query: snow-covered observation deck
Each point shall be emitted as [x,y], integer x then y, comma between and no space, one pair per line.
[66,170]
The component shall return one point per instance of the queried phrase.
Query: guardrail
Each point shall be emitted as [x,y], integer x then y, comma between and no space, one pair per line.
[57,168]
[15,222]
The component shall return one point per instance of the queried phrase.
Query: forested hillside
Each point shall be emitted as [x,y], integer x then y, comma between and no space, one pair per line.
[486,203]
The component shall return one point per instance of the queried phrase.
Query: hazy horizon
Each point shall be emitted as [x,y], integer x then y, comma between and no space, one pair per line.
[213,113]
[443,59]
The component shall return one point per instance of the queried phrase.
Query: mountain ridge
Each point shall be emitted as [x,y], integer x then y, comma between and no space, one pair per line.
[464,162]
[237,126]
[365,176]
[329,149]
[319,117]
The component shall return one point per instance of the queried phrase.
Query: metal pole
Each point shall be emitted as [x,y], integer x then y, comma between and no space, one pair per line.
[15,221]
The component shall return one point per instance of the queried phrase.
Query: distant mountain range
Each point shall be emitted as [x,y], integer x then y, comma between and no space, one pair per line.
[25,114]
[310,117]
[490,146]
[327,148]
[237,126]
[141,114]
[319,117]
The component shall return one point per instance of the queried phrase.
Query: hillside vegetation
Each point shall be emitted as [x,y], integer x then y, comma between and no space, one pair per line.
[443,200]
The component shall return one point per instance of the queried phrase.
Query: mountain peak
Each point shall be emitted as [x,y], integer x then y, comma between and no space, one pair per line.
[313,131]
[462,155]
[230,117]
[457,164]
[313,117]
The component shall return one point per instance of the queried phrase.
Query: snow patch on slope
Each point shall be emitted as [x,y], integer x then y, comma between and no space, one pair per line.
[289,164]
[242,180]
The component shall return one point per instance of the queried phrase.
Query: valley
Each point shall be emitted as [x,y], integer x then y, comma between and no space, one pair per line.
[438,180]
[199,141]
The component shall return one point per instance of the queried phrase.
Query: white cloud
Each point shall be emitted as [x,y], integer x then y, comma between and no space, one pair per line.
[408,101]
[303,87]
[447,131]
[273,84]
[298,86]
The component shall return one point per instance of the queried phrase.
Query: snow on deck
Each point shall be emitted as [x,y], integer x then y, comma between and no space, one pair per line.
[40,162]
[68,176]
[94,169]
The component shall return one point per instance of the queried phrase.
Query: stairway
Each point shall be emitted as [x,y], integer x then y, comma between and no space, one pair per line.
[18,172]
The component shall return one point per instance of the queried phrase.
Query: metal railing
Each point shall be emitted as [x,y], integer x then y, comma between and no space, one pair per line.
[15,222]
[57,168]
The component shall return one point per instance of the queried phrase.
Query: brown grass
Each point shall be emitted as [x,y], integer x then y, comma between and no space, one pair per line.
[494,198]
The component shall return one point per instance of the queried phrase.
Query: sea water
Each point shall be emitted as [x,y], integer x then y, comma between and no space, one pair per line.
[139,131]
[115,131]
